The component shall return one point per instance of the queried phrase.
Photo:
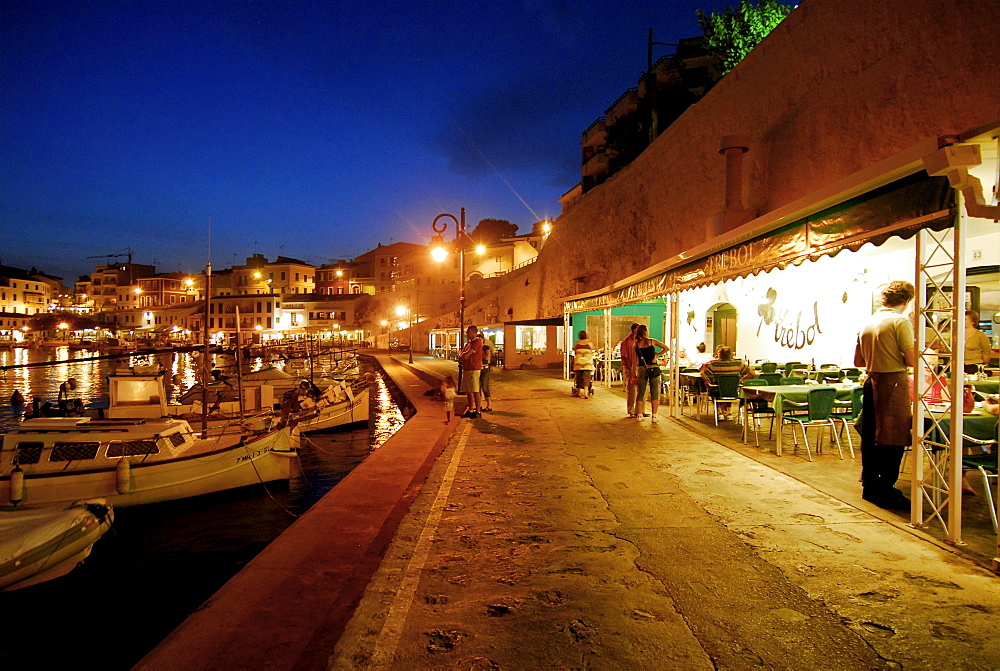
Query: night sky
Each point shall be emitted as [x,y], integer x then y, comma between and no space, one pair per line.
[307,129]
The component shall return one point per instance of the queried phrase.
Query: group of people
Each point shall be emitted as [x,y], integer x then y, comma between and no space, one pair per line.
[476,363]
[641,371]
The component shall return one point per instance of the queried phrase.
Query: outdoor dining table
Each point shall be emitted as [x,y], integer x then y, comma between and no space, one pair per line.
[978,424]
[987,386]
[777,394]
[693,381]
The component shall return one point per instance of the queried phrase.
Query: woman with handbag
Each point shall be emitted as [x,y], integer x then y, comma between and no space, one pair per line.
[648,371]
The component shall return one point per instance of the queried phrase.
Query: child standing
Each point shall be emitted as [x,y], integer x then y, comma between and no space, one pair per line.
[448,391]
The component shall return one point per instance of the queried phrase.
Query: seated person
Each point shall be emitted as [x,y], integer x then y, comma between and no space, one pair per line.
[723,364]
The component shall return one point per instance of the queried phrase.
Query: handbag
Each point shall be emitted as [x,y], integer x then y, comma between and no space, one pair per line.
[652,371]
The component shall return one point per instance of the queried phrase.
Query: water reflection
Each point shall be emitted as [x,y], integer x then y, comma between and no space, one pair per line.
[176,554]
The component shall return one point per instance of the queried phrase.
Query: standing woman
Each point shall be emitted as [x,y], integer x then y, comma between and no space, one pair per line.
[583,367]
[649,371]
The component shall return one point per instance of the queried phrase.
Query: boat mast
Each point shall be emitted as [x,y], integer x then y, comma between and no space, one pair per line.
[206,373]
[239,362]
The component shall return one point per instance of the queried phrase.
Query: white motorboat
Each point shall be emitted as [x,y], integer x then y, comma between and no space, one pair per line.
[131,461]
[343,401]
[39,544]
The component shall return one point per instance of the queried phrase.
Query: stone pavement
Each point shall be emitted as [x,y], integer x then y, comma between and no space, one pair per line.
[555,532]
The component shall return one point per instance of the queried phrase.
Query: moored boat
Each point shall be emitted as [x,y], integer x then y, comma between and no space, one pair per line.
[39,544]
[131,461]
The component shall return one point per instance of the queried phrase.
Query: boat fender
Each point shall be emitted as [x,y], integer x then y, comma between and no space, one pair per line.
[16,485]
[123,482]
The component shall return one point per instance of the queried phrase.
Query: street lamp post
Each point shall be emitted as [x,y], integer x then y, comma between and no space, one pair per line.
[409,327]
[439,253]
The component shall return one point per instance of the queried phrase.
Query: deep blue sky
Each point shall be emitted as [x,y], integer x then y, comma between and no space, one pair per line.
[310,129]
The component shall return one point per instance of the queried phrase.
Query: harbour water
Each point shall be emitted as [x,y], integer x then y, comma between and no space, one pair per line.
[160,562]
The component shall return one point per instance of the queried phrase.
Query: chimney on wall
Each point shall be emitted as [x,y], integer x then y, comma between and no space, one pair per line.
[734,212]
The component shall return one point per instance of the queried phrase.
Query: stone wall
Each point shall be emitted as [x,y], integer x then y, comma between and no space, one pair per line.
[838,86]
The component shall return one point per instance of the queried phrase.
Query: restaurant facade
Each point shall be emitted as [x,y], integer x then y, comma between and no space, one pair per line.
[797,285]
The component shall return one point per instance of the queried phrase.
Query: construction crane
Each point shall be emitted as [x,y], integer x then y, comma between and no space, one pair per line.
[125,252]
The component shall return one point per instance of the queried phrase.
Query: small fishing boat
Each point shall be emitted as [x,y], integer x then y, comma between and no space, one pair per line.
[39,544]
[343,402]
[135,460]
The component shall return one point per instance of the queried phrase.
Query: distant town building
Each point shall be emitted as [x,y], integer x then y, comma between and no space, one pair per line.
[28,292]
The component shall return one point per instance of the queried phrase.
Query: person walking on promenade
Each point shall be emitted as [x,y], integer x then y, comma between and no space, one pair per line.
[583,367]
[485,374]
[648,371]
[885,348]
[449,390]
[471,360]
[723,363]
[629,373]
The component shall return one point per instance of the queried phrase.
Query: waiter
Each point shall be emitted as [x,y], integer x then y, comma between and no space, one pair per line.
[886,349]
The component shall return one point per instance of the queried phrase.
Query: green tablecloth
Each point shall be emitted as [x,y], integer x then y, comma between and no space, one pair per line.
[987,386]
[980,425]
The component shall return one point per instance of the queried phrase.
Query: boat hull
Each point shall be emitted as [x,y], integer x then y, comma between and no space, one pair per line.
[351,411]
[264,459]
[49,543]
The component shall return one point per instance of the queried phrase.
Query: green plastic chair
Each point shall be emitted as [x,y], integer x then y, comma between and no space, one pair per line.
[848,412]
[772,379]
[852,374]
[791,365]
[754,408]
[769,367]
[791,380]
[986,464]
[728,386]
[818,408]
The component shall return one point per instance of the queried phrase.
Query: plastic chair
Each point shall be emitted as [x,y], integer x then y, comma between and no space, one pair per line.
[852,373]
[848,412]
[830,375]
[819,406]
[791,380]
[986,464]
[754,408]
[772,379]
[790,365]
[769,367]
[728,388]
[689,393]
[616,371]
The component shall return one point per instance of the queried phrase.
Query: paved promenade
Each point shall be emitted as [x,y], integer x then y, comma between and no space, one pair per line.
[557,533]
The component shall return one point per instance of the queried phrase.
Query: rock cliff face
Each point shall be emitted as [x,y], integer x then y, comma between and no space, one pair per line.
[835,88]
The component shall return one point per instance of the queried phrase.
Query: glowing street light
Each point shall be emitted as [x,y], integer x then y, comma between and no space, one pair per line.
[480,249]
[402,310]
